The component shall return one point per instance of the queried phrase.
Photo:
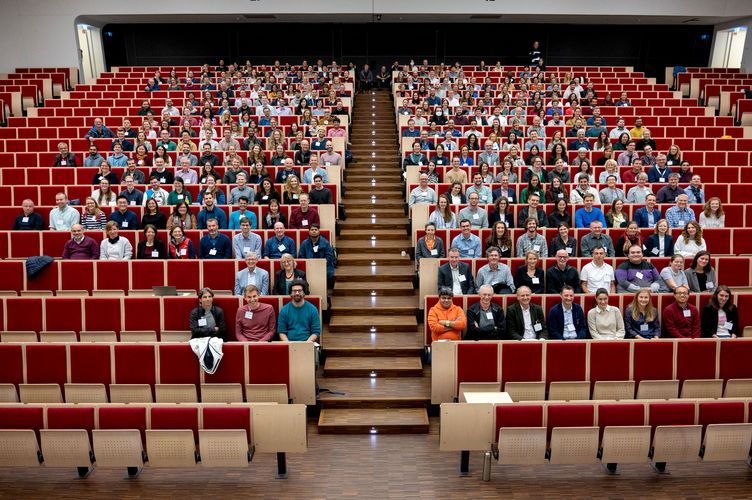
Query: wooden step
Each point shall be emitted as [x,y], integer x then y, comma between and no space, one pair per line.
[373,344]
[373,366]
[374,245]
[375,212]
[375,223]
[380,202]
[375,273]
[372,323]
[382,392]
[372,184]
[373,289]
[386,259]
[373,421]
[384,305]
[366,194]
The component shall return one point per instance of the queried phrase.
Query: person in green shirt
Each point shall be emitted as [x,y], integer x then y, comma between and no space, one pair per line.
[299,319]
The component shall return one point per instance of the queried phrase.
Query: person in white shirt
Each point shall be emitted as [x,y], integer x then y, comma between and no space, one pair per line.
[598,273]
[114,246]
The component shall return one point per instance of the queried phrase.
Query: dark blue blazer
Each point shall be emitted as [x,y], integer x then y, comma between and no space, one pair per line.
[641,216]
[652,242]
[556,322]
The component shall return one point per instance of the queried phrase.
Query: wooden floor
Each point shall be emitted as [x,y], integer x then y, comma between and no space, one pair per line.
[379,467]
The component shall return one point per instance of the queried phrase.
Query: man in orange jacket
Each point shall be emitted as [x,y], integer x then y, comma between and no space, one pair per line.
[445,319]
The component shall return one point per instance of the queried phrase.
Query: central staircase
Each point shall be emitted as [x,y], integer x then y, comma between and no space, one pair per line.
[373,379]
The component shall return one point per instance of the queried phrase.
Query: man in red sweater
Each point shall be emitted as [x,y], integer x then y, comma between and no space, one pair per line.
[681,319]
[255,321]
[304,216]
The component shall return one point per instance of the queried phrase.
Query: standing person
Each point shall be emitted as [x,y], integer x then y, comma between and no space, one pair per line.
[255,321]
[536,54]
[299,319]
[207,320]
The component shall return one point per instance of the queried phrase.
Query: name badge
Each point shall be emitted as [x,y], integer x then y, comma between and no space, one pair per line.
[100,177]
[248,315]
[304,222]
[213,251]
[537,327]
[687,313]
[132,203]
[328,163]
[63,163]
[25,220]
[639,275]
[509,198]
[246,250]
[180,196]
[183,251]
[709,285]
[643,328]
[571,328]
[202,322]
[315,248]
[420,164]
[124,224]
[682,223]
[484,198]
[476,216]
[281,248]
[536,281]
[162,180]
[655,251]
[662,179]
[265,197]
[536,248]
[471,252]
[294,196]
[569,250]
[489,315]
[140,162]
[154,253]
[462,278]
[434,252]
[560,195]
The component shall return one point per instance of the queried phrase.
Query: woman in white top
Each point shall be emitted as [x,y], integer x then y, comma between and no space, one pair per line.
[605,322]
[443,217]
[584,169]
[115,247]
[611,168]
[639,193]
[712,215]
[104,195]
[690,241]
[673,275]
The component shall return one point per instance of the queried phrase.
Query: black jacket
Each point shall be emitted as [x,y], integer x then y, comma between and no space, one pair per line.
[474,332]
[280,286]
[205,331]
[445,278]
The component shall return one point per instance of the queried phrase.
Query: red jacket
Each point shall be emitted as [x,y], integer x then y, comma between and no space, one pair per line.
[676,325]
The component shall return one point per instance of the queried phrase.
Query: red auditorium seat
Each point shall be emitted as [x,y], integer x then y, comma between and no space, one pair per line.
[696,360]
[232,368]
[176,311]
[227,418]
[71,417]
[518,415]
[123,417]
[609,361]
[26,314]
[177,418]
[103,314]
[620,414]
[178,365]
[218,274]
[674,413]
[90,364]
[11,364]
[269,364]
[112,275]
[135,364]
[569,415]
[142,313]
[18,417]
[146,274]
[522,362]
[63,314]
[46,364]
[566,362]
[477,362]
[77,275]
[184,274]
[653,361]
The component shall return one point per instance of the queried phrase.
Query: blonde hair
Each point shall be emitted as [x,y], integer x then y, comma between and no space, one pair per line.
[650,312]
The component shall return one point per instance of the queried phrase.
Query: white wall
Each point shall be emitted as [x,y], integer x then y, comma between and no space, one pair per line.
[43,33]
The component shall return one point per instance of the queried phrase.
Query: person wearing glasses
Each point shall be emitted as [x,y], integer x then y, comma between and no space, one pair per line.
[681,320]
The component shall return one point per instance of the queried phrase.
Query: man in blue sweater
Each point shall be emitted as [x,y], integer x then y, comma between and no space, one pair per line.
[317,247]
[125,218]
[584,216]
[214,245]
[299,319]
[211,211]
[279,243]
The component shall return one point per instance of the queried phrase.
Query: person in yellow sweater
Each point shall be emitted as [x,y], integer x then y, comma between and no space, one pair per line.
[446,320]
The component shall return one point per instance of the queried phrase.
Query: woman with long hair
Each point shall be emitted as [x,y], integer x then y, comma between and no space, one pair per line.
[660,243]
[690,242]
[701,274]
[712,214]
[182,217]
[720,317]
[443,217]
[630,237]
[500,237]
[93,218]
[502,212]
[641,317]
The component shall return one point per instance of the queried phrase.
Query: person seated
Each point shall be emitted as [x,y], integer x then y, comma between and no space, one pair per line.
[117,158]
[246,241]
[252,275]
[641,318]
[597,273]
[630,238]
[254,321]
[319,194]
[214,245]
[318,247]
[121,140]
[650,214]
[304,216]
[529,274]
[636,273]
[446,320]
[29,220]
[151,247]
[566,320]
[477,216]
[525,320]
[596,238]
[586,215]
[456,275]
[701,274]
[485,318]
[286,275]
[64,158]
[681,320]
[660,243]
[720,317]
[562,274]
[99,131]
[105,173]
[423,194]
[114,246]
[80,246]
[279,244]
[712,215]
[153,216]
[207,319]
[212,189]
[605,321]
[299,320]
[690,242]
[669,192]
[180,247]
[160,172]
[94,159]
[532,211]
[673,275]
[104,195]
[577,195]
[611,193]
[680,215]
[429,246]
[468,244]
[211,211]
[156,192]
[495,274]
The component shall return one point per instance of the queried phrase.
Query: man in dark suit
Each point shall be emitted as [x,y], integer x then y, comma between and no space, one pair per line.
[456,275]
[525,320]
[571,325]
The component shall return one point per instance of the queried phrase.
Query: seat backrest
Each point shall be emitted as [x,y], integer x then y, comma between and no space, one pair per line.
[569,415]
[227,417]
[269,364]
[477,362]
[90,364]
[518,415]
[122,417]
[176,417]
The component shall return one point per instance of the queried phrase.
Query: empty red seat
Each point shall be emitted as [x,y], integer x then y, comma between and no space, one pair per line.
[46,364]
[176,418]
[11,364]
[90,364]
[62,314]
[269,364]
[653,361]
[518,415]
[609,361]
[71,417]
[135,364]
[177,310]
[569,415]
[146,274]
[522,362]
[103,314]
[178,364]
[477,362]
[696,360]
[142,313]
[620,414]
[566,362]
[123,417]
[227,417]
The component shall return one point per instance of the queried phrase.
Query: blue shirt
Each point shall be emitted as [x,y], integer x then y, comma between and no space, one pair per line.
[299,323]
[583,218]
[468,247]
[235,219]
[215,213]
[274,247]
[679,218]
[215,248]
[127,221]
[244,245]
[117,160]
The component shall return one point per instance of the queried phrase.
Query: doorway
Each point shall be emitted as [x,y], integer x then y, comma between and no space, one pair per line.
[729,48]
